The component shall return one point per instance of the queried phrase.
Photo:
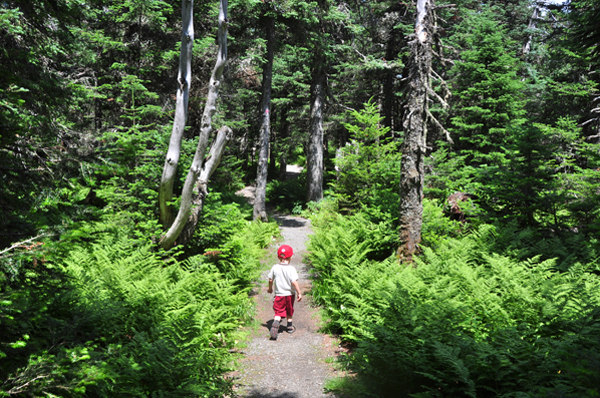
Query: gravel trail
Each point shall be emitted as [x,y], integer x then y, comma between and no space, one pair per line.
[293,366]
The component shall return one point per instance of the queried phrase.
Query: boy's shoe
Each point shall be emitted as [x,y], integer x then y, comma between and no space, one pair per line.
[291,329]
[274,330]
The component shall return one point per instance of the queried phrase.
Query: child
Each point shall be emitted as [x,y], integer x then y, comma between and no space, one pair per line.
[285,277]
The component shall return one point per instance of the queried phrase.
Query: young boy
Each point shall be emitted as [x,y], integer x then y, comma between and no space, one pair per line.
[285,277]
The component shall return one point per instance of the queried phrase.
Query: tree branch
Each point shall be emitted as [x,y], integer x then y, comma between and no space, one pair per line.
[439,125]
[440,99]
[22,243]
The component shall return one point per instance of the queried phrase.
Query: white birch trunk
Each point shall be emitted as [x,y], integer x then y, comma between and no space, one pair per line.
[184,78]
[201,188]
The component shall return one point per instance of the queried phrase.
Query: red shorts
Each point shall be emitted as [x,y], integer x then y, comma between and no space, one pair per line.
[284,306]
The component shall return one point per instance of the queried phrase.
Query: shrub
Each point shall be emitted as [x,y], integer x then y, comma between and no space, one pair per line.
[287,195]
[130,324]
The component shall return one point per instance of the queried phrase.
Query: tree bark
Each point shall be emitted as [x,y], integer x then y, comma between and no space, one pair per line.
[285,146]
[415,133]
[260,212]
[314,159]
[184,78]
[169,238]
[200,190]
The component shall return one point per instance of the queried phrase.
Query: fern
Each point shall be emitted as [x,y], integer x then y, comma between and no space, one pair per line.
[467,321]
[147,324]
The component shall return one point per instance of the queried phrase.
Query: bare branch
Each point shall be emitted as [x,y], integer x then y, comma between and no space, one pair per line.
[440,99]
[439,125]
[23,242]
[365,59]
[588,122]
[591,137]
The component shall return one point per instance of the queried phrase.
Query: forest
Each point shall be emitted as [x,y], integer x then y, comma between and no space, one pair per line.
[450,155]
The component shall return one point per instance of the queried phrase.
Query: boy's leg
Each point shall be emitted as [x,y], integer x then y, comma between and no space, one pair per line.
[275,328]
[279,308]
[289,313]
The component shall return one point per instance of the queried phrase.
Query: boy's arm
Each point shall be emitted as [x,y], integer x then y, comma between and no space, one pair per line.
[270,289]
[297,288]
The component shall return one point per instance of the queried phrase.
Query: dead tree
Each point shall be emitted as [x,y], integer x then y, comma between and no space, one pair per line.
[194,188]
[184,78]
[416,118]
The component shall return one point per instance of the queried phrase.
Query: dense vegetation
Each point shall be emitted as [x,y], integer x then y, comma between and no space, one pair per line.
[503,296]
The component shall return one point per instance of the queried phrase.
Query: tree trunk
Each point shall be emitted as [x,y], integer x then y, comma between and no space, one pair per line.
[200,190]
[184,78]
[285,146]
[314,158]
[260,211]
[169,238]
[415,134]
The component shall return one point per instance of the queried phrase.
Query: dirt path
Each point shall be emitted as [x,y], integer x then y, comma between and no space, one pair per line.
[293,366]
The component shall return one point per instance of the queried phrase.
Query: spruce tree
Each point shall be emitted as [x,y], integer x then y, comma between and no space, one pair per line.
[487,92]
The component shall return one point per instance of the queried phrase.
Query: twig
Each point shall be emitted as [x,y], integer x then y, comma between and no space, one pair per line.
[588,122]
[21,243]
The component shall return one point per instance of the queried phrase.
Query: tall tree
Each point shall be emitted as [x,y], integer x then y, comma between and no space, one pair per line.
[414,123]
[314,159]
[488,92]
[585,15]
[260,212]
[184,80]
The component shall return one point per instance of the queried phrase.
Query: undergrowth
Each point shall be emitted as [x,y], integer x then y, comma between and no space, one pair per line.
[480,315]
[116,317]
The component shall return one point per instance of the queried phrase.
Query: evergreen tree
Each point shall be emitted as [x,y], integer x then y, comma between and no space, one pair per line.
[487,92]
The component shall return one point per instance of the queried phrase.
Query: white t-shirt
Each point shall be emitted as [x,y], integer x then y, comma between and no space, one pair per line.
[283,276]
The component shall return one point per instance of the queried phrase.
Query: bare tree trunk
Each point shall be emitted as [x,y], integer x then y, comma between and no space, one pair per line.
[200,190]
[314,159]
[168,239]
[415,133]
[184,78]
[260,212]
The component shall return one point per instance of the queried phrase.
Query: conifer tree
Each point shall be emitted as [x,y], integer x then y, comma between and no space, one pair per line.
[488,95]
[260,212]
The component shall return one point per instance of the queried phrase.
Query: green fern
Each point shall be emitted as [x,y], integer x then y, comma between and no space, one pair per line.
[466,321]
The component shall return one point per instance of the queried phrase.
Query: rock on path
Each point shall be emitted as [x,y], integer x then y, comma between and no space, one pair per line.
[293,366]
